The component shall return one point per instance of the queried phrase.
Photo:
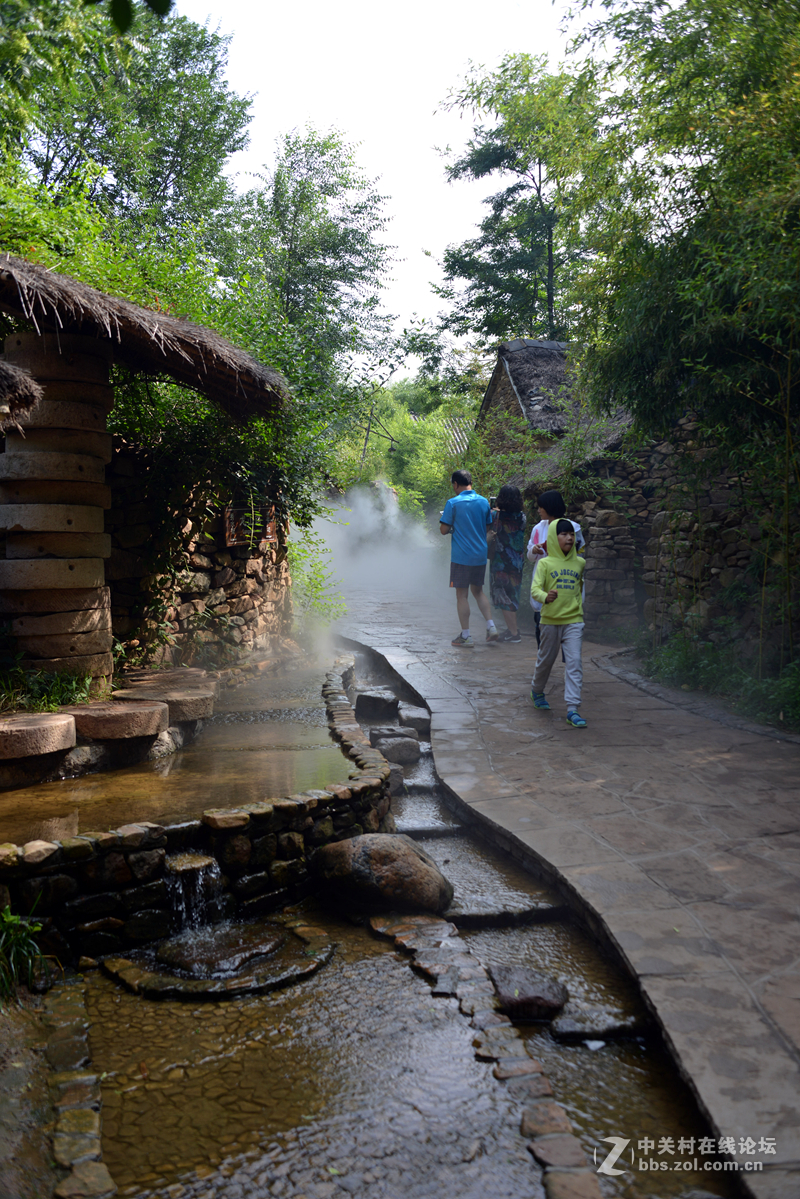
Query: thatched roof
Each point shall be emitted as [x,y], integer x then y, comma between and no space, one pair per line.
[19,393]
[143,340]
[538,373]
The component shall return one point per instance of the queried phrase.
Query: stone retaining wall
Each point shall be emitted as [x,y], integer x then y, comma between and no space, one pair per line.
[229,600]
[105,892]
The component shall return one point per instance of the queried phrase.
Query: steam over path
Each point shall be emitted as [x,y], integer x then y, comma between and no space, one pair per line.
[680,835]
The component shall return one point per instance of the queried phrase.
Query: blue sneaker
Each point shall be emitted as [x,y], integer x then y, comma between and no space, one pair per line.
[576,720]
[539,701]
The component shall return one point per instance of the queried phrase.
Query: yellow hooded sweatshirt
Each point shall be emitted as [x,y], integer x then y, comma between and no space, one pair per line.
[559,572]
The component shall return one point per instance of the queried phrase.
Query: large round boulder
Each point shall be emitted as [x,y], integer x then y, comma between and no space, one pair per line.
[379,870]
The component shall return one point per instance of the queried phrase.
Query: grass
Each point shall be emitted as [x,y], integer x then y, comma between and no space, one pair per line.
[36,691]
[695,664]
[20,957]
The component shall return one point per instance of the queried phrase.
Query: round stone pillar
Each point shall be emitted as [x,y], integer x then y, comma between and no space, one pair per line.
[52,496]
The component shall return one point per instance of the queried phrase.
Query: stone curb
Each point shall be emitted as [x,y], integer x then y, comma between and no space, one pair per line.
[100,893]
[706,708]
[616,930]
[77,1098]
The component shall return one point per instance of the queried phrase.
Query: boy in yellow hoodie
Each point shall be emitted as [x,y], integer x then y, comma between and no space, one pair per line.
[557,587]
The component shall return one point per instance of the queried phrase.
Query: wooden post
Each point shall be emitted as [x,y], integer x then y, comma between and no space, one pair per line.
[52,496]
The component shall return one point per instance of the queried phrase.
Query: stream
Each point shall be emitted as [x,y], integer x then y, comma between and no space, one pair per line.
[355,1081]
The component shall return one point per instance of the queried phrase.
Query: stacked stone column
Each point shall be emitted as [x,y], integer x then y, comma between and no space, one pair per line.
[52,499]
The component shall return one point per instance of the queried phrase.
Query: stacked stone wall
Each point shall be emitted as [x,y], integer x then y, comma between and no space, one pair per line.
[106,892]
[228,601]
[672,548]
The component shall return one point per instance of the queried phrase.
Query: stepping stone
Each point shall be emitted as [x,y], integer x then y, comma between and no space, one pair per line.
[88,1180]
[401,750]
[415,718]
[526,994]
[51,518]
[68,645]
[559,1149]
[380,732]
[218,951]
[577,1023]
[96,665]
[120,720]
[541,1119]
[377,704]
[24,736]
[51,573]
[195,703]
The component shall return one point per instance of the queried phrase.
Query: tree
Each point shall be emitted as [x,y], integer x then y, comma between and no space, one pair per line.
[691,296]
[311,232]
[152,121]
[518,271]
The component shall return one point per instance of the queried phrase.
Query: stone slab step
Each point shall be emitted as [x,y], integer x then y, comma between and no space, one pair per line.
[192,703]
[67,645]
[65,414]
[118,720]
[55,491]
[24,735]
[60,356]
[59,545]
[96,665]
[24,574]
[88,621]
[51,518]
[45,465]
[24,603]
[97,444]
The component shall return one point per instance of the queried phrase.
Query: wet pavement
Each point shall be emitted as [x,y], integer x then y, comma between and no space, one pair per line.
[268,737]
[680,835]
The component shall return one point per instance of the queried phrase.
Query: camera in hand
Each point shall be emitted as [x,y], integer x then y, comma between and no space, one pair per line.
[492,501]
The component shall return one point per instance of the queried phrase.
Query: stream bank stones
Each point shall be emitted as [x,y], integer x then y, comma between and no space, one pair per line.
[379,870]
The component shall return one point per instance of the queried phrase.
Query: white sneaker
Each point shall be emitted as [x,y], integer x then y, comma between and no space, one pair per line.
[492,635]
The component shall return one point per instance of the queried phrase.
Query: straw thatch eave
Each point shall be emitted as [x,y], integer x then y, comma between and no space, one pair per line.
[143,340]
[19,394]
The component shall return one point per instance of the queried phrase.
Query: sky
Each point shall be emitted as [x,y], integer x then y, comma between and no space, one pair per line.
[380,75]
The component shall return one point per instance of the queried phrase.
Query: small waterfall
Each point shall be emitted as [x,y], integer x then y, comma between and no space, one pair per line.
[193,880]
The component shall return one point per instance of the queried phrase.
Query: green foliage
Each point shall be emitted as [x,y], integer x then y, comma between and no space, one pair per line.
[517,272]
[20,957]
[696,663]
[310,232]
[37,691]
[150,119]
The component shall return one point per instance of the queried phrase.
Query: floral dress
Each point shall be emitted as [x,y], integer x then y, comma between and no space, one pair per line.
[508,560]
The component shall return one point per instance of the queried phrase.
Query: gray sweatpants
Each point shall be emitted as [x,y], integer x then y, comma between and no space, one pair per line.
[568,637]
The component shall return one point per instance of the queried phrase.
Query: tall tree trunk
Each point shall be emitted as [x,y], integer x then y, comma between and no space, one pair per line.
[551,307]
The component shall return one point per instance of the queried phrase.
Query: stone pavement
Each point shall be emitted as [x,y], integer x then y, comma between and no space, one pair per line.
[678,836]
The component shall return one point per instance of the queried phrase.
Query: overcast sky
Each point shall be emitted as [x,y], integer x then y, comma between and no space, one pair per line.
[380,74]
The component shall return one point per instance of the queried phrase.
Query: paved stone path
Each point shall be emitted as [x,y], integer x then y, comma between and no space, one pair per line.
[679,837]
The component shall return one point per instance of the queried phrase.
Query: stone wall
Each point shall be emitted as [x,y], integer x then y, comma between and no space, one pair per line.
[228,601]
[672,549]
[106,892]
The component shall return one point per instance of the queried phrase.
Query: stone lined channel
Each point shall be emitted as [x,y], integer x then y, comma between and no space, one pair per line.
[268,736]
[358,1080]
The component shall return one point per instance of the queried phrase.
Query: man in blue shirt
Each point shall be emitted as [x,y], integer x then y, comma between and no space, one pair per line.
[467,516]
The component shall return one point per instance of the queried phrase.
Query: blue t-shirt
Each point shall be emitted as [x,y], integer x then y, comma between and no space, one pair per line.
[470,516]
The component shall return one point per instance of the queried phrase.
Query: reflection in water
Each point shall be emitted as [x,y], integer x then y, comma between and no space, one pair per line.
[267,738]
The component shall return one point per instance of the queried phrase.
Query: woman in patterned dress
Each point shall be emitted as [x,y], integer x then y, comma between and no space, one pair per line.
[507,550]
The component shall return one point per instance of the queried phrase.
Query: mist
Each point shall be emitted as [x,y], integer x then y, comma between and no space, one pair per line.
[377,550]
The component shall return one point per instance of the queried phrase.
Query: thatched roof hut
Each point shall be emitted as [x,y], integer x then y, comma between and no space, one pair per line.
[143,340]
[531,376]
[19,393]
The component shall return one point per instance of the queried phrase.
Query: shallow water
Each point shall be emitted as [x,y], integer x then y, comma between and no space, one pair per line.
[267,738]
[356,1081]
